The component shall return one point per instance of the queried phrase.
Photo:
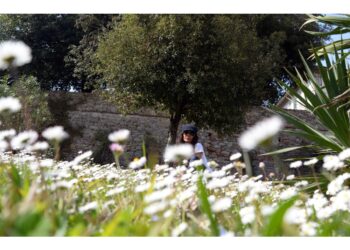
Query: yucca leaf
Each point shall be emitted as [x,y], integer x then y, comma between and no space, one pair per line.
[335,31]
[284,150]
[308,131]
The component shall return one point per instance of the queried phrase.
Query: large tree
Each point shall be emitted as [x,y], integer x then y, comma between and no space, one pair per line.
[80,56]
[50,37]
[204,68]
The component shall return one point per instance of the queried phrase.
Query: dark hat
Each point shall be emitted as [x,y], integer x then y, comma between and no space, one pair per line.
[188,127]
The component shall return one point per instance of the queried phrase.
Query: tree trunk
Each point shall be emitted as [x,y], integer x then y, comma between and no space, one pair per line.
[174,124]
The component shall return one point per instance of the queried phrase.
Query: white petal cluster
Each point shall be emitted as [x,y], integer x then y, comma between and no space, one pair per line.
[267,210]
[89,206]
[46,163]
[296,164]
[115,191]
[341,201]
[247,214]
[260,132]
[295,215]
[290,177]
[23,139]
[179,229]
[222,204]
[7,134]
[175,153]
[318,201]
[218,183]
[235,156]
[310,162]
[14,54]
[3,146]
[156,207]
[138,163]
[213,164]
[38,146]
[81,158]
[63,184]
[337,184]
[196,163]
[10,104]
[332,162]
[309,229]
[345,154]
[158,195]
[288,193]
[55,133]
[142,187]
[119,136]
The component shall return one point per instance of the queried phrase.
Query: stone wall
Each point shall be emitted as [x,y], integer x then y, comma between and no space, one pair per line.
[89,120]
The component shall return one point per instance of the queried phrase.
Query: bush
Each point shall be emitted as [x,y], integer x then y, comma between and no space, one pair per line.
[34,113]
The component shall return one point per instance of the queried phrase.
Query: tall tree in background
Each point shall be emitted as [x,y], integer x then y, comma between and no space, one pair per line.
[49,37]
[63,45]
[80,56]
[294,40]
[204,68]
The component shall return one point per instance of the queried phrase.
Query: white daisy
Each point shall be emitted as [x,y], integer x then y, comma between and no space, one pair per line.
[10,103]
[119,136]
[14,54]
[55,133]
[260,132]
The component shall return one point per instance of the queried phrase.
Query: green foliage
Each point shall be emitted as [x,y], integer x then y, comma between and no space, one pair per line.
[275,225]
[80,56]
[295,41]
[339,25]
[194,66]
[49,36]
[47,208]
[34,113]
[205,206]
[327,101]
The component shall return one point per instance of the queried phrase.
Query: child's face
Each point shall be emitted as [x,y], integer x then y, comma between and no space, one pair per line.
[188,136]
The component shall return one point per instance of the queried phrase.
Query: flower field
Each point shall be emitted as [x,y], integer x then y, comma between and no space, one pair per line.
[41,197]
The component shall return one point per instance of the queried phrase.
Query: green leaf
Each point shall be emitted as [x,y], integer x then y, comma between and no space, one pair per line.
[205,206]
[275,225]
[285,150]
[306,130]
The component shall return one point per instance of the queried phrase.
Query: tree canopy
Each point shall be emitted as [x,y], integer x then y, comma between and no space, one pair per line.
[205,68]
[50,37]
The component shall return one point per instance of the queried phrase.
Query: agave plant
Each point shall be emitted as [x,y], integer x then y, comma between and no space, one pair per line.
[340,24]
[328,101]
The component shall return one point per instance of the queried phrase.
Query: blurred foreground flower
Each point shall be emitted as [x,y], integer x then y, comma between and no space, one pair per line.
[260,132]
[177,153]
[120,136]
[235,156]
[10,103]
[138,163]
[345,154]
[117,151]
[14,54]
[179,229]
[55,133]
[23,139]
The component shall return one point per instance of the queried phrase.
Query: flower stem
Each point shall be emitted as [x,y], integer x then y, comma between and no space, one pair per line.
[248,165]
